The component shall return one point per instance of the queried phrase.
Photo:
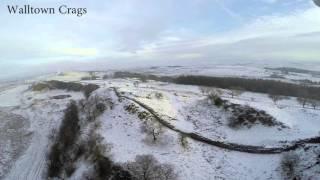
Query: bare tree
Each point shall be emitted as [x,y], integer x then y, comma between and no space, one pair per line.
[289,165]
[136,83]
[82,104]
[275,98]
[204,90]
[153,129]
[235,91]
[183,141]
[302,101]
[158,95]
[147,167]
[314,103]
[210,90]
[216,92]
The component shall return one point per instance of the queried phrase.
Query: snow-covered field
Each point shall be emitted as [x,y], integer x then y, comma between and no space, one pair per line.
[24,132]
[222,70]
[196,161]
[189,110]
[27,119]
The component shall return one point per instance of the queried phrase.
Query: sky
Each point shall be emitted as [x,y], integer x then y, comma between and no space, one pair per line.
[133,32]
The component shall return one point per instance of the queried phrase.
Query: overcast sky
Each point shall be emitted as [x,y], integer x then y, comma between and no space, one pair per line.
[136,31]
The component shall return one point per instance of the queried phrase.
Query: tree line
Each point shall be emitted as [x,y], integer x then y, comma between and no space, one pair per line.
[270,87]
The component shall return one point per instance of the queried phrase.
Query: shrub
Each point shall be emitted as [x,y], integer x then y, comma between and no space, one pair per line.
[183,141]
[215,99]
[144,115]
[147,167]
[100,107]
[218,101]
[289,166]
[158,95]
[248,116]
[131,108]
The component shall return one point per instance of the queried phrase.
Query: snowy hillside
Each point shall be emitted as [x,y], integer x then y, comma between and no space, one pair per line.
[178,125]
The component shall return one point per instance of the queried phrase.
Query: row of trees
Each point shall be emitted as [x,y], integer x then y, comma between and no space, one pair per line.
[66,137]
[303,101]
[255,85]
[278,90]
[215,93]
[233,92]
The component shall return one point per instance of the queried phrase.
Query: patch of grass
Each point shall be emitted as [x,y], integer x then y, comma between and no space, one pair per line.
[69,86]
[39,87]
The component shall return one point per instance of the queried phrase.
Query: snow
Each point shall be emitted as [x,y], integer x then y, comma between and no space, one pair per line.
[33,115]
[185,108]
[14,137]
[199,161]
[302,122]
[68,76]
[222,70]
[44,115]
[11,96]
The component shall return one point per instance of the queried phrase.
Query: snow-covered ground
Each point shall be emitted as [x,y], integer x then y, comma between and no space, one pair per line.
[222,70]
[25,127]
[27,119]
[190,112]
[197,161]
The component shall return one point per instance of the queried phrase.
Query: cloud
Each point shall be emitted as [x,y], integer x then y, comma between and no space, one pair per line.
[76,51]
[150,31]
[270,1]
[268,37]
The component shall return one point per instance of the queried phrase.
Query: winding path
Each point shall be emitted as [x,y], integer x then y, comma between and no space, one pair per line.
[225,145]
